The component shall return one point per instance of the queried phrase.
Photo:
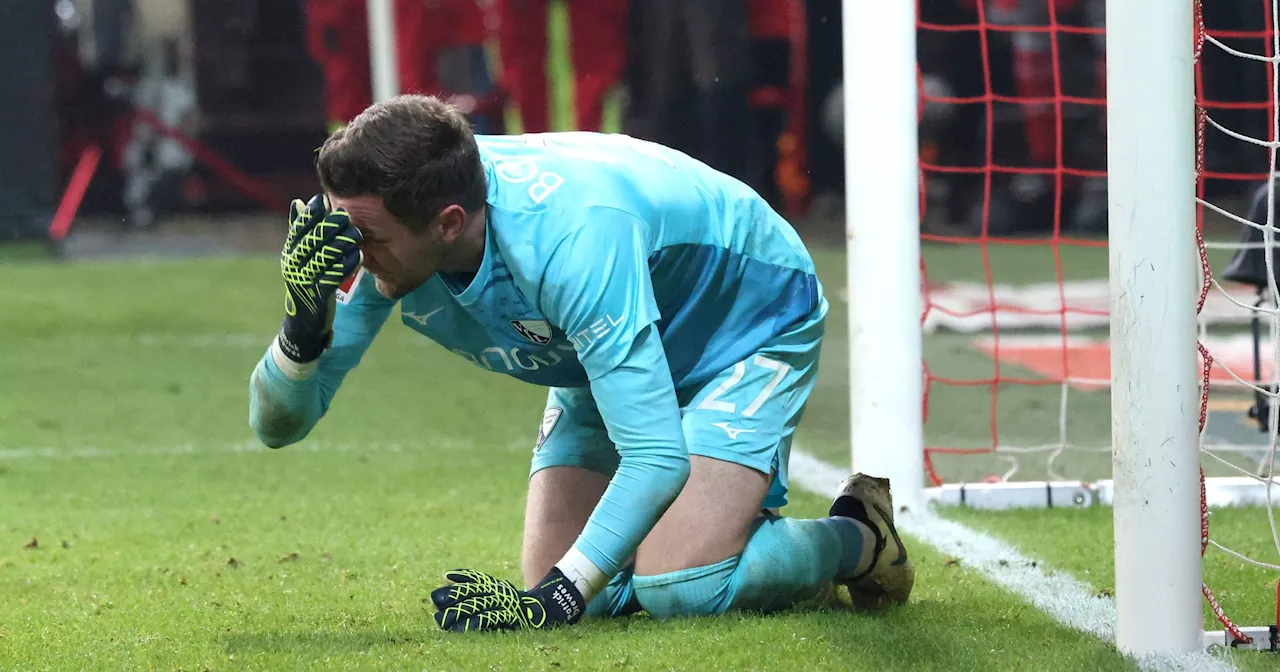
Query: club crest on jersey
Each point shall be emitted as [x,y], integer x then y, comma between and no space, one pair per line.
[537,332]
[348,287]
[549,420]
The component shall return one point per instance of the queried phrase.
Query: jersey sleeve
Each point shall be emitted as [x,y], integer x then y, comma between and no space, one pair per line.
[283,409]
[597,289]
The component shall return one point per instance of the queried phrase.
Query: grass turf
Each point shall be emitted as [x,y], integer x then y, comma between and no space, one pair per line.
[1247,592]
[1080,542]
[319,557]
[163,538]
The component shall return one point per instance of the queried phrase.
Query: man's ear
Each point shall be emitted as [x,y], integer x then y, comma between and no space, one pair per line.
[451,221]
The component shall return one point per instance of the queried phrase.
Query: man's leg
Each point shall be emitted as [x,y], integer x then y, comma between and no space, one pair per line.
[560,501]
[573,462]
[729,494]
[725,576]
[713,551]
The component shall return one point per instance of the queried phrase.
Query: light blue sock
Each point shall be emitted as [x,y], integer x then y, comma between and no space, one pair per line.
[786,561]
[617,599]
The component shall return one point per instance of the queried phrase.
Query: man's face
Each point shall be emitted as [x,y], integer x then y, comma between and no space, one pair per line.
[400,259]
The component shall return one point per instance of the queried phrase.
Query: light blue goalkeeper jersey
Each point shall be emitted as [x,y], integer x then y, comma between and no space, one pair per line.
[610,263]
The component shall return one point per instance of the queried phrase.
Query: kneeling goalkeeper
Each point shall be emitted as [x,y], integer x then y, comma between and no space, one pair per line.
[675,317]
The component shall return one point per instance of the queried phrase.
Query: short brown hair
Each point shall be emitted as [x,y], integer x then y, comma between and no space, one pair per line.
[415,152]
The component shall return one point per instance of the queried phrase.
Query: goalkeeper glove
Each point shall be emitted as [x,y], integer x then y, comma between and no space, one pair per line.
[478,601]
[319,253]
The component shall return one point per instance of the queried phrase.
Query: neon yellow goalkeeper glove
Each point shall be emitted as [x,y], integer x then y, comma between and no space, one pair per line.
[478,601]
[322,249]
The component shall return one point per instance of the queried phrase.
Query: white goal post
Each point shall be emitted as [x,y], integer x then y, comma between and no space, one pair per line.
[882,230]
[1155,401]
[384,68]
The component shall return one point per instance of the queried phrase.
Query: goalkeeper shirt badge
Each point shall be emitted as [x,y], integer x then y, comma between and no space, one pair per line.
[549,419]
[537,332]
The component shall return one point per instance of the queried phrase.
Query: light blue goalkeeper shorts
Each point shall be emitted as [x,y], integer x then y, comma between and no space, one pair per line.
[746,414]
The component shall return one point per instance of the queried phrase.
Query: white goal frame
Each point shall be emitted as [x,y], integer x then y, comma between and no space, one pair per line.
[1155,281]
[1154,284]
[882,231]
[383,65]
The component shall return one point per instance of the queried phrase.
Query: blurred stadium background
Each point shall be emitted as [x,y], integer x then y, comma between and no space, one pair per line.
[176,111]
[136,114]
[198,108]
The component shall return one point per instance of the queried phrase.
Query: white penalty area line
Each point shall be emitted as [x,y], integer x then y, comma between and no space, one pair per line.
[1062,597]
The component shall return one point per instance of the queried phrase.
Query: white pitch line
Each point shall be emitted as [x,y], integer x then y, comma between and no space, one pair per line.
[89,452]
[211,340]
[246,446]
[1060,596]
[204,340]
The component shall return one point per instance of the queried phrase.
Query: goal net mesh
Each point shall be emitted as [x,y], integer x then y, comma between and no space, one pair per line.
[1014,258]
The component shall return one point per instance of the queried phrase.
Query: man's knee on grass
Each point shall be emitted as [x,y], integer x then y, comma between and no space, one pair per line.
[617,599]
[785,562]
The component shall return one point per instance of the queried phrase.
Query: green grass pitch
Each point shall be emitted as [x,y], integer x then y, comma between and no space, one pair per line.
[142,527]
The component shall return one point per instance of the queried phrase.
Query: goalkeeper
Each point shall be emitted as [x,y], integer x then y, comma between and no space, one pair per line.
[675,317]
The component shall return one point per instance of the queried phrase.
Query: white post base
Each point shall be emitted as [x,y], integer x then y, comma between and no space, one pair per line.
[1265,638]
[1224,491]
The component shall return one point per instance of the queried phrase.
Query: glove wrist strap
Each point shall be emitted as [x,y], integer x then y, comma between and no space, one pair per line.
[302,344]
[586,577]
[560,598]
[290,368]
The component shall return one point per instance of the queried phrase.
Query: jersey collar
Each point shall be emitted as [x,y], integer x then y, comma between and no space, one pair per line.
[471,293]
